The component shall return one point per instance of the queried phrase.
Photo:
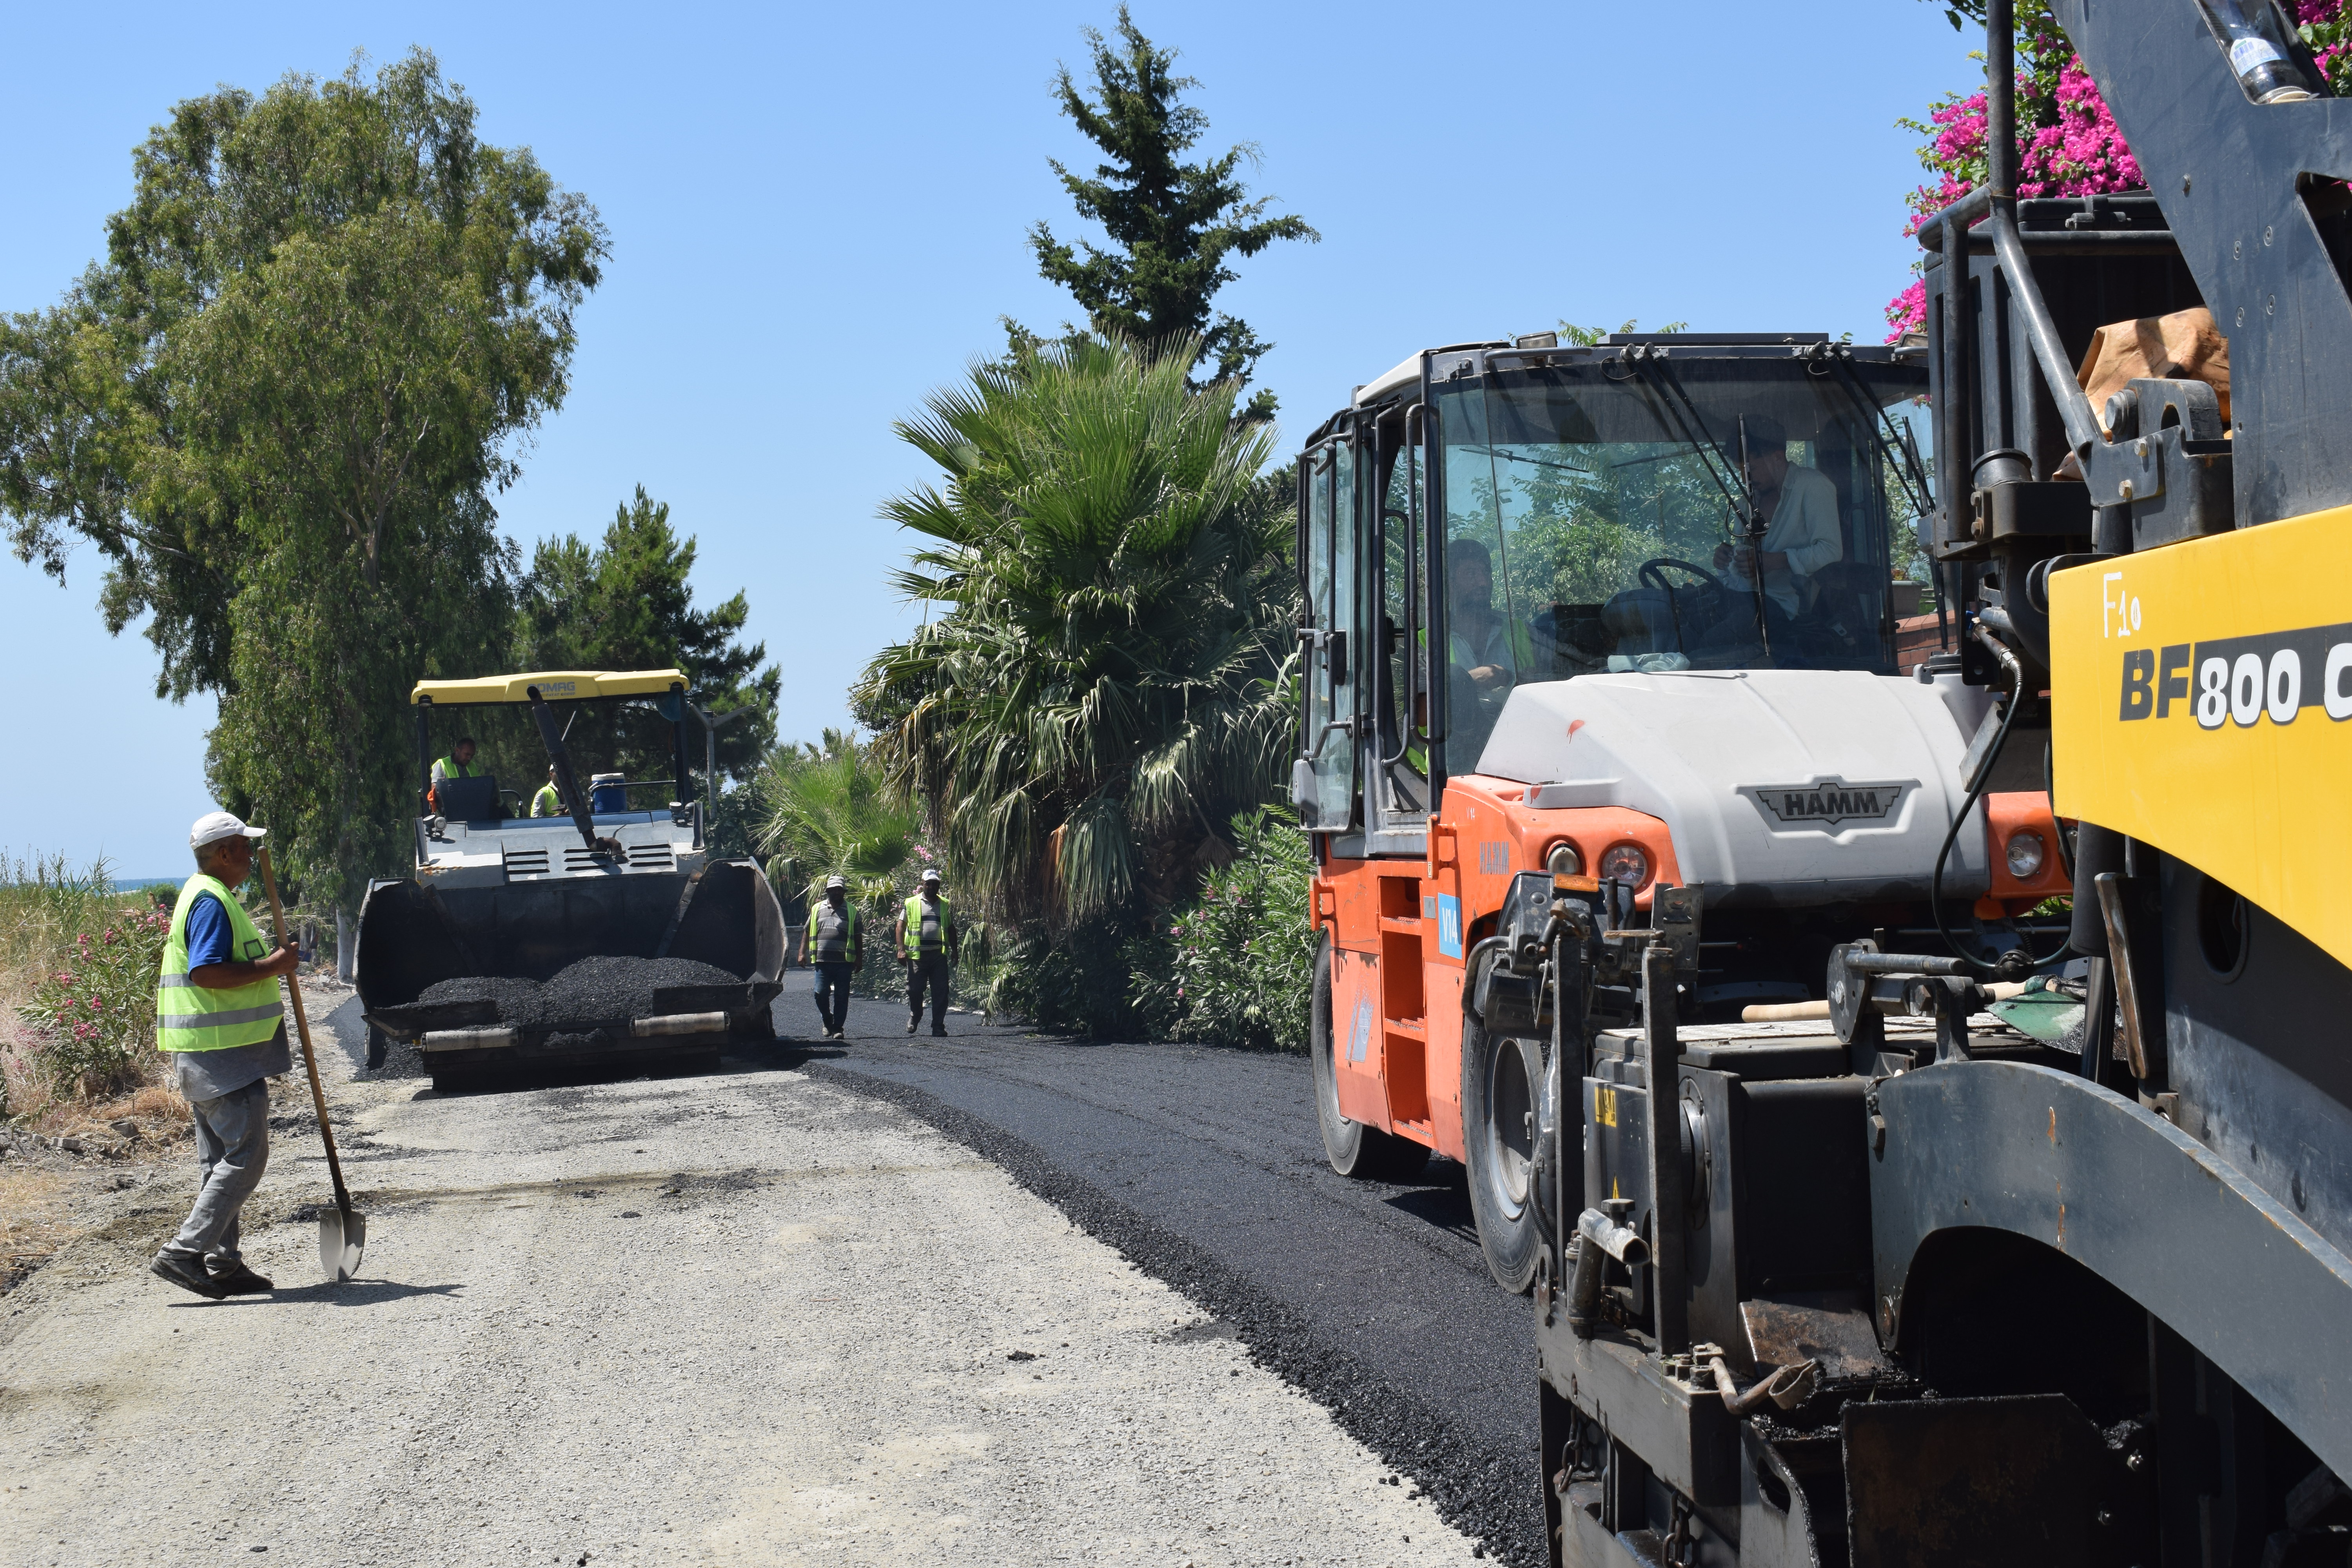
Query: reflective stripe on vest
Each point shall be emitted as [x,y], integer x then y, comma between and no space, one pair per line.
[927,929]
[193,1017]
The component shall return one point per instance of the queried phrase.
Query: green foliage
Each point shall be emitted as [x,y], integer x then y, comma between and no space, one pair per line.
[279,408]
[828,808]
[1076,982]
[1111,676]
[88,957]
[624,602]
[1172,225]
[1586,337]
[1237,966]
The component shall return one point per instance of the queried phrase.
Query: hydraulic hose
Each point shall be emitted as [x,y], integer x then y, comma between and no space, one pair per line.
[1978,967]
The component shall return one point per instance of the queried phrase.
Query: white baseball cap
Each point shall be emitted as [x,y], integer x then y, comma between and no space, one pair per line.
[931,873]
[215,826]
[833,882]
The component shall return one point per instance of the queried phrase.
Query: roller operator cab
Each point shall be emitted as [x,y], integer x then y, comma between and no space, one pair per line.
[1534,640]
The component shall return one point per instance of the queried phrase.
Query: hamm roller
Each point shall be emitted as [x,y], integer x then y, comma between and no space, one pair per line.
[600,937]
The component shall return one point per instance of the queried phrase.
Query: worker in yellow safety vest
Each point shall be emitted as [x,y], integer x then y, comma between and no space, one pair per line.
[928,941]
[219,1018]
[833,945]
[457,764]
[549,801]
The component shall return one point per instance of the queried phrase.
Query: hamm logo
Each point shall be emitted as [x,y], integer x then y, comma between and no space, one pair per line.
[1829,801]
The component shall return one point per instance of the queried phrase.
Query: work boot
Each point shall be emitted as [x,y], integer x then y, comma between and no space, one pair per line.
[913,1024]
[239,1279]
[938,1031]
[187,1273]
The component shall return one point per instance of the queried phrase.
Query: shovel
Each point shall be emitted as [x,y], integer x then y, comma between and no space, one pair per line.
[342,1235]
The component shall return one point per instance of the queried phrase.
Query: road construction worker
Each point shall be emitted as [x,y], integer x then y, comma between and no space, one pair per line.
[219,1018]
[928,941]
[457,764]
[549,801]
[834,942]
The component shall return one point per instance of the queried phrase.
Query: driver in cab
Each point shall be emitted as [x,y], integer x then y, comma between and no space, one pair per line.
[1798,506]
[1485,645]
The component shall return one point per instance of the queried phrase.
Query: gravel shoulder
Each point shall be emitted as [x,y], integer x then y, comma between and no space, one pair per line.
[749,1317]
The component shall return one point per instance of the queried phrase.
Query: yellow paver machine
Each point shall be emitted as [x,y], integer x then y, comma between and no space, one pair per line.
[601,934]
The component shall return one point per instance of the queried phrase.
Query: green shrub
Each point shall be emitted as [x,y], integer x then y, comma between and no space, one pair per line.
[1237,966]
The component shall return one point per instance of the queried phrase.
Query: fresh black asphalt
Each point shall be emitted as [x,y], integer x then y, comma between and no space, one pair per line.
[1204,1167]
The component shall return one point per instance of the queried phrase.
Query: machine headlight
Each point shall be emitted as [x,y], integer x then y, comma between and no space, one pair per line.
[2025,853]
[1562,860]
[1625,863]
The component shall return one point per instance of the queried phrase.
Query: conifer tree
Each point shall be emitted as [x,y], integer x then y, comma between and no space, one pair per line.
[1173,225]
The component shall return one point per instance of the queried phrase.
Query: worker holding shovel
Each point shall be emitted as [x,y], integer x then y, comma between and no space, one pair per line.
[218,1015]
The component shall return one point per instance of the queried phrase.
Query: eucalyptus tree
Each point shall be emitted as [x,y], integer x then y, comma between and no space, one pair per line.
[279,408]
[1110,680]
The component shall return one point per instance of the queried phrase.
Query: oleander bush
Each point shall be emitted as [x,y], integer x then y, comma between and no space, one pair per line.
[78,963]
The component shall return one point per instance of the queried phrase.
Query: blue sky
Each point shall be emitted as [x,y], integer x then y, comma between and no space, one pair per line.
[819,213]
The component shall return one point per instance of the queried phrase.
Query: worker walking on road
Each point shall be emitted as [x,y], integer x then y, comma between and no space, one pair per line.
[834,944]
[218,1012]
[928,941]
[549,801]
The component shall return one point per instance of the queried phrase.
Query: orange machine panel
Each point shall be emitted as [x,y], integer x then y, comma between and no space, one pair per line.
[2006,817]
[1359,1044]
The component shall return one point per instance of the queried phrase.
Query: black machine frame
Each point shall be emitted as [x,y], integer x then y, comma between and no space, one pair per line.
[2090,1305]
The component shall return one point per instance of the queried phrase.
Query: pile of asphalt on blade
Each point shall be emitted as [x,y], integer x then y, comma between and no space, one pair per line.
[517,999]
[602,990]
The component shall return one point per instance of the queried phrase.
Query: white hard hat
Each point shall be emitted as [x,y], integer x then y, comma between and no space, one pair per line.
[214,826]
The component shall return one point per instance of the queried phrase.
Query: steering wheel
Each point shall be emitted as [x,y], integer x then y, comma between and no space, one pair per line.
[1651,576]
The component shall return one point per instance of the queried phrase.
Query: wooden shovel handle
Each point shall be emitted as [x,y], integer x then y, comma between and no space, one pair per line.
[302,1027]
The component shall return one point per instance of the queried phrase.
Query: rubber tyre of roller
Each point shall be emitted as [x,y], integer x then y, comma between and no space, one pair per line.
[1502,1083]
[1365,1153]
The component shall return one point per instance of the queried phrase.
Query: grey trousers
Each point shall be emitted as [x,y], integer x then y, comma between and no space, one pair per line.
[232,1151]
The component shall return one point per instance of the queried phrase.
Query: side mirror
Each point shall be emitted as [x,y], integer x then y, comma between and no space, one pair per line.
[1302,790]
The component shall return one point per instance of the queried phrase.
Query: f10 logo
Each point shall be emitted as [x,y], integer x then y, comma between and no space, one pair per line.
[2242,680]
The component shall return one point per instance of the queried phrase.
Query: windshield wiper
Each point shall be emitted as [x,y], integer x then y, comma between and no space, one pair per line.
[1510,456]
[1907,468]
[1743,505]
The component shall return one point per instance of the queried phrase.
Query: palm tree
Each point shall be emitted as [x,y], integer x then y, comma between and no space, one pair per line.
[827,808]
[1110,681]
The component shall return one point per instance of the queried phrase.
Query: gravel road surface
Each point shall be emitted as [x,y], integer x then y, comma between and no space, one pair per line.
[762,1316]
[1205,1165]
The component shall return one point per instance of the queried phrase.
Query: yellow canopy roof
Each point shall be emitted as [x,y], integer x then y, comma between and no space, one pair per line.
[556,685]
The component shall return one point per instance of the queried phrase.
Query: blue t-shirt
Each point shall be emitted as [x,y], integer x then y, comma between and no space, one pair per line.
[209,937]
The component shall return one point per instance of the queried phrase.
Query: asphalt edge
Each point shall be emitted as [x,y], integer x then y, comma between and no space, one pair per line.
[1483,1496]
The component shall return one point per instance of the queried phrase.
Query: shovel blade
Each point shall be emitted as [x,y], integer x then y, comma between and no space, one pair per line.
[341,1238]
